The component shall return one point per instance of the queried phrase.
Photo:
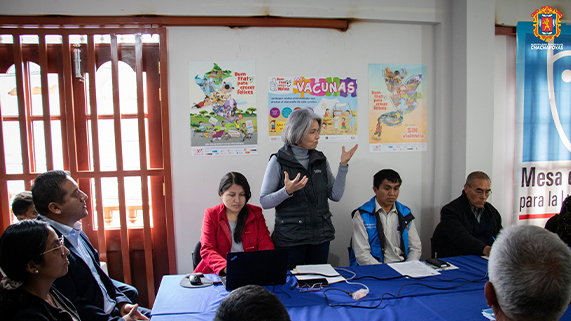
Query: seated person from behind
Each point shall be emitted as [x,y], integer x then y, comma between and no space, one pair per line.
[23,206]
[383,229]
[561,223]
[32,257]
[251,303]
[232,226]
[530,275]
[468,224]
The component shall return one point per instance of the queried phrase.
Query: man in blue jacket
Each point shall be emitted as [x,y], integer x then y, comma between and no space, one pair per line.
[383,229]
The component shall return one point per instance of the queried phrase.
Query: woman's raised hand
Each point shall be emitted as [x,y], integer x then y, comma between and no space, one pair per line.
[294,185]
[346,155]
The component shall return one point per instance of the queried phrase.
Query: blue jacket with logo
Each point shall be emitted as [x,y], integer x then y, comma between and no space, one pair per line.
[375,229]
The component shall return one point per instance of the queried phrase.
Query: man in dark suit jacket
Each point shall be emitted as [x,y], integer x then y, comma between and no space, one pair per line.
[62,204]
[468,224]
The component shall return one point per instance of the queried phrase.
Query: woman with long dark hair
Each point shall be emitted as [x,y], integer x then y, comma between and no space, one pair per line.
[32,257]
[232,226]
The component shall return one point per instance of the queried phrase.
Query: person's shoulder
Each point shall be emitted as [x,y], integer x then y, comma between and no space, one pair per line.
[403,209]
[457,202]
[551,224]
[367,208]
[492,208]
[254,213]
[17,305]
[27,314]
[254,208]
[214,210]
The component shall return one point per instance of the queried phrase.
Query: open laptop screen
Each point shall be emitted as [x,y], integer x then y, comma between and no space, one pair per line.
[268,267]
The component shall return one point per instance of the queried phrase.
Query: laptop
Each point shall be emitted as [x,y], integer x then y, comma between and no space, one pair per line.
[268,267]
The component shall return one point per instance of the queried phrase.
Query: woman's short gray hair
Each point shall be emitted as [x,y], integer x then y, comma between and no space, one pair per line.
[298,123]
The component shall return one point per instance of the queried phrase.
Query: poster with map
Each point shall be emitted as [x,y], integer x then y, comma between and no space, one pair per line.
[223,114]
[397,108]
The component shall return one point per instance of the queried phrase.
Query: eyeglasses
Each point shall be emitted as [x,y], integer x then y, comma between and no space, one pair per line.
[311,287]
[480,191]
[60,246]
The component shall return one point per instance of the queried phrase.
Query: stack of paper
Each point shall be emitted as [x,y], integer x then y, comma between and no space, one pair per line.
[325,269]
[413,268]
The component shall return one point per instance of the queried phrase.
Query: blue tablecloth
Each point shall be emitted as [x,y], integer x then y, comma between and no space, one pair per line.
[415,302]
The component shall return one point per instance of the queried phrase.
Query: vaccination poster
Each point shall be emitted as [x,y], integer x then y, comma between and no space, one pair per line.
[542,166]
[223,114]
[332,98]
[397,108]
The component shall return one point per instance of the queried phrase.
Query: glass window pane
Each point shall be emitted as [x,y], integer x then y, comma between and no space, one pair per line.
[57,144]
[53,83]
[147,143]
[39,147]
[130,142]
[12,147]
[102,39]
[126,39]
[109,190]
[107,155]
[77,39]
[127,89]
[134,202]
[7,39]
[87,95]
[148,38]
[104,85]
[29,39]
[53,39]
[8,93]
[35,88]
[145,92]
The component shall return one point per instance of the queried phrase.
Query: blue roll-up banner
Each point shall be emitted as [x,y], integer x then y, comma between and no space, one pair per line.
[542,168]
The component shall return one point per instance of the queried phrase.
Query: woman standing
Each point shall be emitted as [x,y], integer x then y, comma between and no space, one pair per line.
[232,226]
[298,182]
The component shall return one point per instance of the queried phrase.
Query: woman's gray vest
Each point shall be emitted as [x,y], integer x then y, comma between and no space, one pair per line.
[303,218]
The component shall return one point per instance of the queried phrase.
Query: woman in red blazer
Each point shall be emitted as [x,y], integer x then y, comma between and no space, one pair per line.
[232,226]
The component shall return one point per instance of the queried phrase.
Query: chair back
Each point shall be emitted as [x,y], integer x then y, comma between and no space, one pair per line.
[434,242]
[196,258]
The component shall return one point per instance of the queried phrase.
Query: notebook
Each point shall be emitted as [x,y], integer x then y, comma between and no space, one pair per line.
[268,267]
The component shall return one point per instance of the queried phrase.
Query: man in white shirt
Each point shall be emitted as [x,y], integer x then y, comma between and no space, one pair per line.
[62,204]
[383,229]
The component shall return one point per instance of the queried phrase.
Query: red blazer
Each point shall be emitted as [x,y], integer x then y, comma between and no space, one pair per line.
[216,239]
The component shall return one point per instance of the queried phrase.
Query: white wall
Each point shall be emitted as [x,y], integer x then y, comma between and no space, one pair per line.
[450,37]
[290,52]
[504,126]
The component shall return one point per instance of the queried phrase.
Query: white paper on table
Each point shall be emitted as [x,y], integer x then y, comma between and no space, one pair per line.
[413,268]
[326,269]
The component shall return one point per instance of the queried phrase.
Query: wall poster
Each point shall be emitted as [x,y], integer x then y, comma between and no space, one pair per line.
[223,111]
[333,98]
[397,108]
